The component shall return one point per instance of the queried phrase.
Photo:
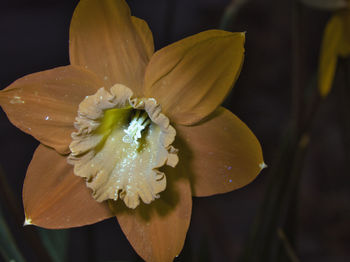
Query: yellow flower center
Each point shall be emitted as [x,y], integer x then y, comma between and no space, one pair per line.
[137,124]
[120,144]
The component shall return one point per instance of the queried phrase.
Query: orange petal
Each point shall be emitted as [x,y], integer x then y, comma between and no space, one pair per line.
[45,104]
[191,78]
[222,154]
[145,34]
[157,231]
[105,39]
[53,197]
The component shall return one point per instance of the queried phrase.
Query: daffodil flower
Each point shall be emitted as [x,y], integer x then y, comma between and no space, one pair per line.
[335,43]
[132,133]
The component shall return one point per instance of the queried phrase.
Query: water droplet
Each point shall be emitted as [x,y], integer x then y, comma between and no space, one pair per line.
[262,165]
[16,100]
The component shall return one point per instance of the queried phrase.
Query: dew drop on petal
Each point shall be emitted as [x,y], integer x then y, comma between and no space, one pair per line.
[16,100]
[262,165]
[27,222]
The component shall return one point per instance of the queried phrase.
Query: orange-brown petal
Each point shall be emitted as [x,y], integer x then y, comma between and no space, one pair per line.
[53,197]
[145,35]
[191,77]
[105,39]
[221,154]
[45,104]
[157,231]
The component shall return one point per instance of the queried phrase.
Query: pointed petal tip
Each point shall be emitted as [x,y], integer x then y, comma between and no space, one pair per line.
[262,166]
[27,222]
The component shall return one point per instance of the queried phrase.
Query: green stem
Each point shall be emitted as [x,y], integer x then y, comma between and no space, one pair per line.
[12,204]
[8,248]
[287,246]
[280,203]
[230,14]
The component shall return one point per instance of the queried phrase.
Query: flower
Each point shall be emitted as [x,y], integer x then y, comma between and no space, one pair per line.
[335,43]
[118,103]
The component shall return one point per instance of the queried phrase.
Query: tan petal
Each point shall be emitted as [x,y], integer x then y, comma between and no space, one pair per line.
[53,197]
[45,104]
[145,34]
[191,77]
[222,154]
[105,39]
[157,231]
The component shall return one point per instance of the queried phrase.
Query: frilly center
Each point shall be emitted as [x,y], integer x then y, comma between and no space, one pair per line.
[120,145]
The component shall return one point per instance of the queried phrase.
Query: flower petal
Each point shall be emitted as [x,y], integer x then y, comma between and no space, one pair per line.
[45,104]
[191,77]
[344,47]
[222,154]
[145,34]
[53,197]
[329,54]
[105,39]
[157,231]
[120,144]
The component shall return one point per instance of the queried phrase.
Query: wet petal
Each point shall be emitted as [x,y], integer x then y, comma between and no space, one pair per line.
[191,77]
[157,231]
[222,154]
[53,197]
[329,54]
[44,104]
[105,39]
[120,144]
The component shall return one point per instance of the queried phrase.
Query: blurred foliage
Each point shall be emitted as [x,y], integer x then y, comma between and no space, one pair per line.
[56,243]
[329,5]
[8,247]
[230,13]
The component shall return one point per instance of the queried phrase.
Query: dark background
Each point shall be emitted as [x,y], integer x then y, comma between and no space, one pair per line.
[34,37]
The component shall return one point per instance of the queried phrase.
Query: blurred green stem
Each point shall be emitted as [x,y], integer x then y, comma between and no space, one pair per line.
[280,204]
[230,14]
[287,246]
[297,66]
[344,108]
[12,204]
[8,248]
